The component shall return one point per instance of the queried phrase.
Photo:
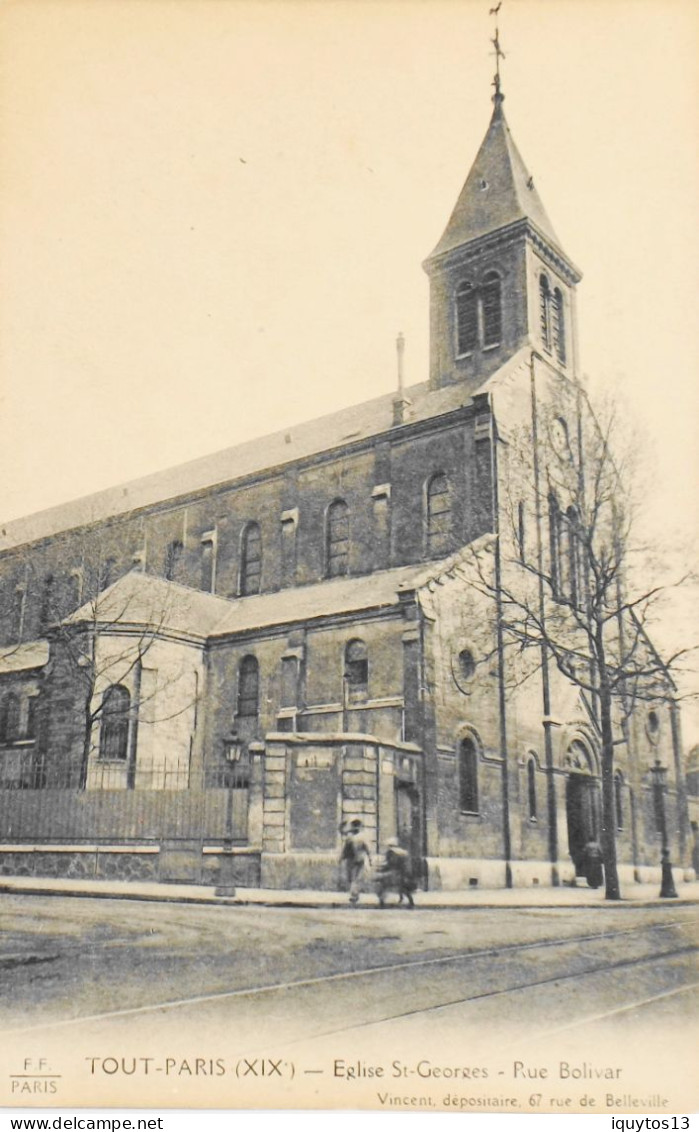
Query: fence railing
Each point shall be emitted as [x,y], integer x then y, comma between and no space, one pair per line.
[43,805]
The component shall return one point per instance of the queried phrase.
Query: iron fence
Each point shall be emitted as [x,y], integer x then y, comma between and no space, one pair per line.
[41,804]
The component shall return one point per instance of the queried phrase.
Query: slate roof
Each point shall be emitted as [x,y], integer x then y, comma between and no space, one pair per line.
[22,658]
[297,442]
[498,191]
[321,599]
[145,600]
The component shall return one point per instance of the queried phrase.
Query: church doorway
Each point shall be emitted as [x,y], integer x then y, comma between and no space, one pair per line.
[583,804]
[583,813]
[409,825]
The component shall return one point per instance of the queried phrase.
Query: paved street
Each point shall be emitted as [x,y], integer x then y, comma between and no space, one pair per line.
[102,976]
[64,958]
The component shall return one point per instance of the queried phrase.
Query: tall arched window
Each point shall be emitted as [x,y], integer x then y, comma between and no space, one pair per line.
[356,670]
[492,309]
[468,776]
[248,687]
[619,799]
[75,588]
[545,311]
[466,319]
[114,732]
[47,611]
[438,515]
[531,788]
[173,557]
[574,587]
[558,328]
[17,617]
[338,539]
[9,718]
[207,565]
[251,560]
[107,573]
[32,717]
[478,314]
[521,532]
[555,544]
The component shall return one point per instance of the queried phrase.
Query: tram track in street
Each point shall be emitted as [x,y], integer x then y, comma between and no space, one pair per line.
[404,967]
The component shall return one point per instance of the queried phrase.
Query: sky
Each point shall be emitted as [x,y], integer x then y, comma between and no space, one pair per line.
[213,216]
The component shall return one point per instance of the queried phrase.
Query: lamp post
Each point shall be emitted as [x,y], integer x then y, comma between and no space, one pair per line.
[226,872]
[667,884]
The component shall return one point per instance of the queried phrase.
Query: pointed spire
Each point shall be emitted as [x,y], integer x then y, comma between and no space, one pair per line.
[498,191]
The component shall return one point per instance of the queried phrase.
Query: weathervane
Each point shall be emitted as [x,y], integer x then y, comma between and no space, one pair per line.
[498,53]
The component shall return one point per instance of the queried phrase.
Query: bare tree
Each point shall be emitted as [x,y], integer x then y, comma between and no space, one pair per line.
[104,642]
[565,574]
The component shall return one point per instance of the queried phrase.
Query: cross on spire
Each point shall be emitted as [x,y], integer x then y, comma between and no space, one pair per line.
[498,53]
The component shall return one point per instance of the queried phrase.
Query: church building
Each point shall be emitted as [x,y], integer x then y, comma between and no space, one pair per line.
[238,656]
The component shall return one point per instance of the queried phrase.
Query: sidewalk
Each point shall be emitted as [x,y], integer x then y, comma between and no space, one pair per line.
[633,895]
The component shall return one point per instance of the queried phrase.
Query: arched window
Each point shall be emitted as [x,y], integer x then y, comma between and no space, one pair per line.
[356,670]
[46,611]
[207,565]
[438,517]
[114,732]
[558,328]
[468,776]
[555,544]
[466,319]
[107,573]
[251,560]
[248,687]
[619,799]
[545,311]
[9,718]
[338,539]
[531,788]
[32,717]
[521,532]
[75,588]
[574,587]
[17,619]
[492,309]
[173,557]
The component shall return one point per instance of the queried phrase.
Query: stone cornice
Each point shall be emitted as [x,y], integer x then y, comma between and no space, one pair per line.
[493,240]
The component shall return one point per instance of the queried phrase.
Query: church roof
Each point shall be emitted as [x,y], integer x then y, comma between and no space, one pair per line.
[498,191]
[252,457]
[158,605]
[24,657]
[166,607]
[320,599]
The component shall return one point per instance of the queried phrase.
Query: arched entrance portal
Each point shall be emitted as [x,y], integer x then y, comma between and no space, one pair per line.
[583,803]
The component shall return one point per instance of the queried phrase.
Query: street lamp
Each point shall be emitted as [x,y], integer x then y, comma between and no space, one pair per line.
[667,884]
[226,872]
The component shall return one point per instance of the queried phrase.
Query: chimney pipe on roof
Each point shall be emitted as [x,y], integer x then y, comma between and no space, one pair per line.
[400,401]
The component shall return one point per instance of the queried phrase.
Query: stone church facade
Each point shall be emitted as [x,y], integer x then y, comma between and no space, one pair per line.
[241,654]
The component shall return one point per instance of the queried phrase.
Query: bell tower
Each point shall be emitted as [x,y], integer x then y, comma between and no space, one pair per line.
[499,279]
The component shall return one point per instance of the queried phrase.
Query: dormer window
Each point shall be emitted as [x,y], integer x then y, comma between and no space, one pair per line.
[478,315]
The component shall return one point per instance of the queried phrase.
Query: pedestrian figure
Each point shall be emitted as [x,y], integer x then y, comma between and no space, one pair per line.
[356,857]
[395,874]
[593,864]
